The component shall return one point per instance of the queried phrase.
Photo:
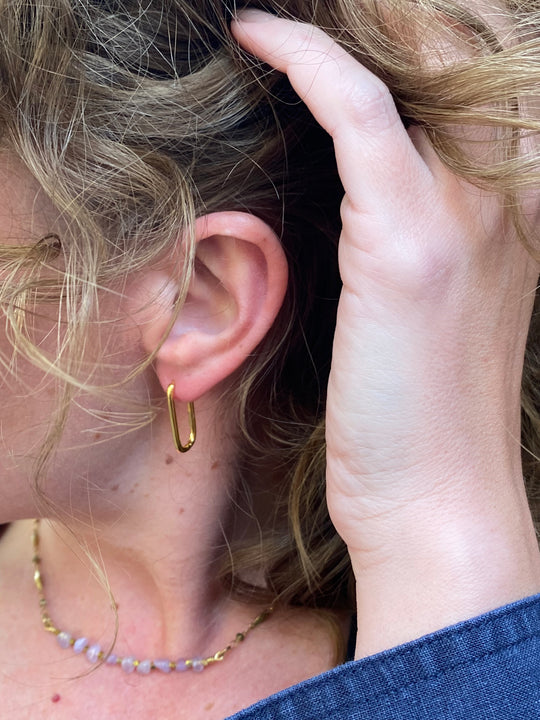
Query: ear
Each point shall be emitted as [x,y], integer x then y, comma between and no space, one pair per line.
[237,289]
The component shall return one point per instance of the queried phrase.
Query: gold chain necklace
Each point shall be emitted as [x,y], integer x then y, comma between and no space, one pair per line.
[129,664]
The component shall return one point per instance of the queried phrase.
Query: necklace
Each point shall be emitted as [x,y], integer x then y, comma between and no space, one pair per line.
[129,664]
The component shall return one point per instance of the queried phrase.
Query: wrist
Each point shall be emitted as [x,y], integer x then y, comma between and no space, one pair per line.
[435,563]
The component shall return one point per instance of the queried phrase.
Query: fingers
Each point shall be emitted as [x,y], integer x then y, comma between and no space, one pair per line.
[375,155]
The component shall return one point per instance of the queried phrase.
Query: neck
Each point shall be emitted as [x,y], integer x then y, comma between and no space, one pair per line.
[154,538]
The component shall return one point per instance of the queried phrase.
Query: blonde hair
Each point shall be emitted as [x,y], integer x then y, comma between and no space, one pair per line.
[136,117]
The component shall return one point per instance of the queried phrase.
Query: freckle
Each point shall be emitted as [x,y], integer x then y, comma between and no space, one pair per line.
[97,436]
[55,698]
[181,511]
[209,706]
[114,488]
[215,464]
[168,459]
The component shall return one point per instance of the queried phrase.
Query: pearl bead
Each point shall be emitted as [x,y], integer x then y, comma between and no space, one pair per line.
[128,664]
[93,653]
[163,665]
[64,639]
[79,645]
[144,667]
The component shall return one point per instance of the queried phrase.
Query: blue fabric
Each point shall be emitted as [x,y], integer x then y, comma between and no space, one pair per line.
[487,668]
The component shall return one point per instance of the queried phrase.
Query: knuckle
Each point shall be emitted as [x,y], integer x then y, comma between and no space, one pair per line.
[424,266]
[349,213]
[422,270]
[401,256]
[370,105]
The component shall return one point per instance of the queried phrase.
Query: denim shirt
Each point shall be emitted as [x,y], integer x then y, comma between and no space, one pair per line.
[484,668]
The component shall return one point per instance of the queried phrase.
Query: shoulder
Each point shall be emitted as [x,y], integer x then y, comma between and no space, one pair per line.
[486,667]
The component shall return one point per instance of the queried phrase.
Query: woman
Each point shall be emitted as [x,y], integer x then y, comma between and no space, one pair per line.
[169,228]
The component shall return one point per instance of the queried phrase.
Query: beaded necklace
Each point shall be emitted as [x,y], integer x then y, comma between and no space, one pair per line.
[129,664]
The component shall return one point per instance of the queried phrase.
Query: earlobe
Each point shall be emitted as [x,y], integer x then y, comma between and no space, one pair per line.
[236,292]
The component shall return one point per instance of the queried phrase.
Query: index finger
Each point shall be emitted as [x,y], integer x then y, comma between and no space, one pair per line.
[375,154]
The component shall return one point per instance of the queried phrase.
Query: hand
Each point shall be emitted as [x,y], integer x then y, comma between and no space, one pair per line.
[423,453]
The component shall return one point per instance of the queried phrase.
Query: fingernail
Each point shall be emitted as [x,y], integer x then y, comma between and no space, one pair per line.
[251,15]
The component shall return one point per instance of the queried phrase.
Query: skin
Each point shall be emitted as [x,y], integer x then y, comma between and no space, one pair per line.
[154,519]
[424,473]
[424,477]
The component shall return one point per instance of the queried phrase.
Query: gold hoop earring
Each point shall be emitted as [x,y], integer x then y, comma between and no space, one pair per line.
[174,422]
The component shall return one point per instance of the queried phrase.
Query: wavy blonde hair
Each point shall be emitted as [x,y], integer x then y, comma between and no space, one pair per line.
[137,116]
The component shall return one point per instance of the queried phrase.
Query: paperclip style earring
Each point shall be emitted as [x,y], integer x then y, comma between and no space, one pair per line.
[174,422]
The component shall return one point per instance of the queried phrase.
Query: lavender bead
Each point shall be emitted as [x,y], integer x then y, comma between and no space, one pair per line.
[181,665]
[93,653]
[112,659]
[128,664]
[79,645]
[144,667]
[162,665]
[64,639]
[197,665]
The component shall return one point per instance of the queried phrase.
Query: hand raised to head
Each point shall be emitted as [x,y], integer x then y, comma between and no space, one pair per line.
[424,475]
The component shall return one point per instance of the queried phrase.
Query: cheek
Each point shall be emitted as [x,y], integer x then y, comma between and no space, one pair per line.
[93,447]
[93,468]
[99,458]
[25,414]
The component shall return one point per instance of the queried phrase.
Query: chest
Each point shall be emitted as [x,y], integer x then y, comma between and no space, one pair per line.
[39,680]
